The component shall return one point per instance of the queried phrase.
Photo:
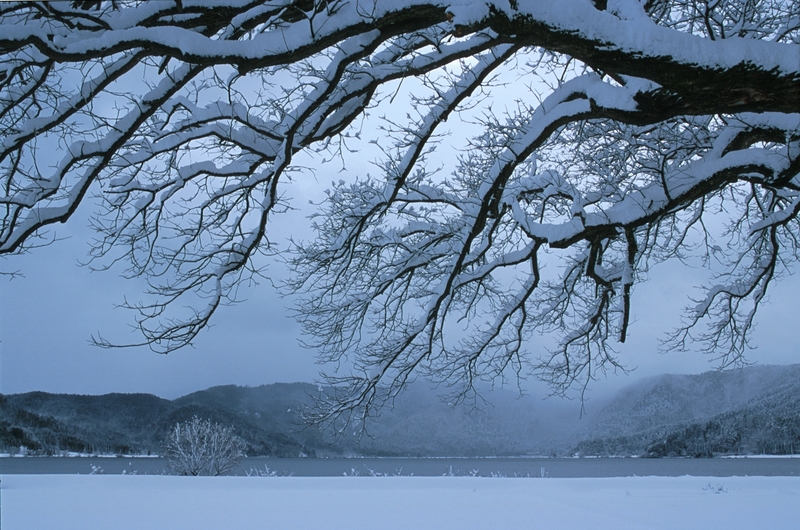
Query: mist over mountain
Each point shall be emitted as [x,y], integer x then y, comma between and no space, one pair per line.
[745,411]
[749,410]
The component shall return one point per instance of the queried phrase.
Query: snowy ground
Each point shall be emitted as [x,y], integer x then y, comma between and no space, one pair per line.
[66,502]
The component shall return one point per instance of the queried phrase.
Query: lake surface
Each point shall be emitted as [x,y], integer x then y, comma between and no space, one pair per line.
[485,467]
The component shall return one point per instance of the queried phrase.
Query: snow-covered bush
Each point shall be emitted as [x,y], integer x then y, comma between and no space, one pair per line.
[198,446]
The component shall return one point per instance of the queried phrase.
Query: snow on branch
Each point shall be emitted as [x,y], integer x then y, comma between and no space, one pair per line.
[537,158]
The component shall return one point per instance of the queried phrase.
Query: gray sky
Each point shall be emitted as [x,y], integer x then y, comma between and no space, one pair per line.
[47,317]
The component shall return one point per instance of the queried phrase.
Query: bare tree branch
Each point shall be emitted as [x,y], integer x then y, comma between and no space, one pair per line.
[637,132]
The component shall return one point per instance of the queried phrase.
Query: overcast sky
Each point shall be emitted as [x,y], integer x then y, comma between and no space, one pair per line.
[48,316]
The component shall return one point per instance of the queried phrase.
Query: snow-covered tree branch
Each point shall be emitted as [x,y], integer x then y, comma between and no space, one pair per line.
[633,131]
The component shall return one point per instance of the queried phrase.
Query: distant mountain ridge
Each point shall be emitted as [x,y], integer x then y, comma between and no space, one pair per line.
[138,423]
[750,410]
[268,418]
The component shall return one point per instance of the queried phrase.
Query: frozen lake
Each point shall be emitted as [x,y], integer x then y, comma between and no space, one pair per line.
[431,467]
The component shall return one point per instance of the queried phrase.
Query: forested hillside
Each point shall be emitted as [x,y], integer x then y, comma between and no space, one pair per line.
[753,410]
[137,423]
[269,420]
[749,411]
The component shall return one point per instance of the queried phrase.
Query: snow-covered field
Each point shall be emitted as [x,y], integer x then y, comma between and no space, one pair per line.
[66,502]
